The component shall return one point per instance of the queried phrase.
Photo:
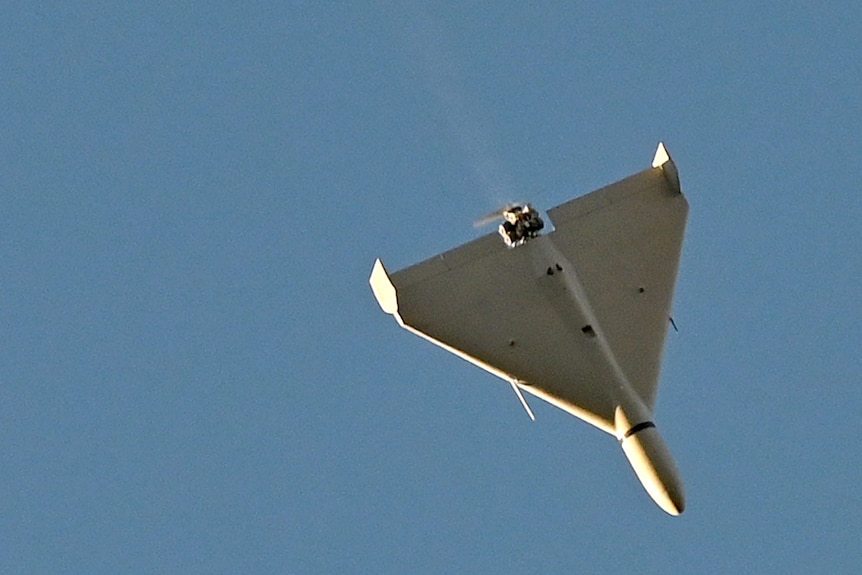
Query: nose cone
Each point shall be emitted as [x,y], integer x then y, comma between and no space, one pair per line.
[653,464]
[671,501]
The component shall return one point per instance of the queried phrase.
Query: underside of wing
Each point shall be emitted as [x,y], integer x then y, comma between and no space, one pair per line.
[562,314]
[625,241]
[494,310]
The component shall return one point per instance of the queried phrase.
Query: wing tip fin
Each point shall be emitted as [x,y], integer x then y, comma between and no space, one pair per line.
[661,156]
[663,160]
[383,289]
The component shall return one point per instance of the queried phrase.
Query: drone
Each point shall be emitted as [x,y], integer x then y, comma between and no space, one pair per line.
[577,317]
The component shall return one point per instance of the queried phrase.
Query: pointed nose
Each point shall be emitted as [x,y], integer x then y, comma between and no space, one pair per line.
[653,464]
[671,504]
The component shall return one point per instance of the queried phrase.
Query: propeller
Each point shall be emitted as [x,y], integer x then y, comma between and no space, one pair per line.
[495,215]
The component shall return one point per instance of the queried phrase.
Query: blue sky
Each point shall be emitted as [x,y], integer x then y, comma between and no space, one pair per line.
[195,377]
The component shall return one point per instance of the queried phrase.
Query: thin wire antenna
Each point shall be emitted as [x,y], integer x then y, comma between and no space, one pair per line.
[523,400]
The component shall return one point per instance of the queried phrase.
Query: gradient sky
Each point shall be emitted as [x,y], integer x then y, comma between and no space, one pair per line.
[195,377]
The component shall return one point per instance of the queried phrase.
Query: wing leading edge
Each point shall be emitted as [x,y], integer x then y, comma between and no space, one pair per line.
[568,315]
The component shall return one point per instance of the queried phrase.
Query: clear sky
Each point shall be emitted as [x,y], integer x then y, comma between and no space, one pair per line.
[195,377]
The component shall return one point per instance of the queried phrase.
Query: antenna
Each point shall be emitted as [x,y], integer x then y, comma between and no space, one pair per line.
[521,397]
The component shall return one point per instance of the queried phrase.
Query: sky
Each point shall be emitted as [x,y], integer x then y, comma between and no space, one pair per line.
[196,378]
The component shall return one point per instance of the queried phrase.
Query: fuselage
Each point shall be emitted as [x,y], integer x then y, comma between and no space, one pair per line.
[652,461]
[633,423]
